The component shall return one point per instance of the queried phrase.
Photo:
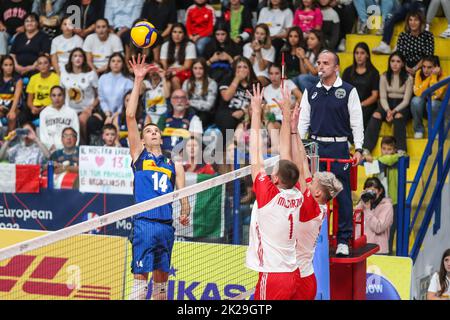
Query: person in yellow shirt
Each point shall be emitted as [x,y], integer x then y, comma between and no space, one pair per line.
[39,87]
[430,74]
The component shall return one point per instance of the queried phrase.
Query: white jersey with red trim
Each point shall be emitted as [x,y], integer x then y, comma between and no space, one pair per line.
[307,232]
[272,228]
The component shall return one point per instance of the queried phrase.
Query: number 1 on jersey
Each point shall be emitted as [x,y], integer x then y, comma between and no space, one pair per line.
[291,226]
[159,183]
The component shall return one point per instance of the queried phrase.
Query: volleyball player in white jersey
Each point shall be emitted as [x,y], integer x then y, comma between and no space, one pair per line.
[317,192]
[271,249]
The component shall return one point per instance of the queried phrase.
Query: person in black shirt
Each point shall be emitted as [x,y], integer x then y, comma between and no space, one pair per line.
[365,78]
[28,46]
[12,16]
[91,11]
[220,52]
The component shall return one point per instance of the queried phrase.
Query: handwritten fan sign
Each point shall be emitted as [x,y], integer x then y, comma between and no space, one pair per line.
[105,170]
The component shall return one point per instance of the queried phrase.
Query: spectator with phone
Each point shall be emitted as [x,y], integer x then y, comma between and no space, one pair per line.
[261,53]
[28,150]
[378,214]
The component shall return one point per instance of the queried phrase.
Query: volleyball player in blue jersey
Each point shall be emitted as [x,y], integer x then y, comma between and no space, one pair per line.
[154,175]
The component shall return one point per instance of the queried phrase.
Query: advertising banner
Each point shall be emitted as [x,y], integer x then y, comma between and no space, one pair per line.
[81,268]
[203,271]
[105,170]
[388,278]
[57,209]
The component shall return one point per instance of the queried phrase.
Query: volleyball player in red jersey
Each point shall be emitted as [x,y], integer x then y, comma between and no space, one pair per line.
[271,249]
[317,191]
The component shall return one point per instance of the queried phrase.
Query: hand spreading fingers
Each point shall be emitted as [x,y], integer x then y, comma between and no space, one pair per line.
[256,98]
[140,67]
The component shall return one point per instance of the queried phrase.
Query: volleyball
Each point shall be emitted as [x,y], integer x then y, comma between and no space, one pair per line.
[143,34]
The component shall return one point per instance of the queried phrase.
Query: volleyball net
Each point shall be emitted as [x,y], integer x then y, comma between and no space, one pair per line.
[208,257]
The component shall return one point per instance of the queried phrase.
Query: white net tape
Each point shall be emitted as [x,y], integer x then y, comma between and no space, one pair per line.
[50,238]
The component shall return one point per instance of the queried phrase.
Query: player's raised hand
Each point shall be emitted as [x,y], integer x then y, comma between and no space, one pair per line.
[295,117]
[140,67]
[184,220]
[256,99]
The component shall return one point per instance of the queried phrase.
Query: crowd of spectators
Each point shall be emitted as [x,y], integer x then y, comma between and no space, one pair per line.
[66,82]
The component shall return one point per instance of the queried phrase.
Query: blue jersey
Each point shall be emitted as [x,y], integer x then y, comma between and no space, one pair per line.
[153,176]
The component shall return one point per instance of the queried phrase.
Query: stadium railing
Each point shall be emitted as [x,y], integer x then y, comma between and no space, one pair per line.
[424,198]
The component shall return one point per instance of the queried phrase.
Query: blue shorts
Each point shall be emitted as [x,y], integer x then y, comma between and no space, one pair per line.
[152,244]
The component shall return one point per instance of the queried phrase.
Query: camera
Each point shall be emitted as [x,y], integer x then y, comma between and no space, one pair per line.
[368,196]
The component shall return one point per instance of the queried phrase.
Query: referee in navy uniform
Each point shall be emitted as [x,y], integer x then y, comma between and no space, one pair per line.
[331,113]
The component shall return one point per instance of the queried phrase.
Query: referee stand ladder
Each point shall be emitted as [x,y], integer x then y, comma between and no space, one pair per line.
[348,274]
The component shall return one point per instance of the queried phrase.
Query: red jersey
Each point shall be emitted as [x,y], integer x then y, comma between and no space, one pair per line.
[200,20]
[272,228]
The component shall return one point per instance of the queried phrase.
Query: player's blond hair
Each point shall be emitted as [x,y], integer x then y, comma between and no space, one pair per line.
[330,185]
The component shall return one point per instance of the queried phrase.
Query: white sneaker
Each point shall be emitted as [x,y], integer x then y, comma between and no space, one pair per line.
[361,27]
[342,250]
[383,48]
[380,31]
[341,47]
[418,135]
[445,34]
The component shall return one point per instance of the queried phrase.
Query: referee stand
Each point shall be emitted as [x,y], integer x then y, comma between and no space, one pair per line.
[348,274]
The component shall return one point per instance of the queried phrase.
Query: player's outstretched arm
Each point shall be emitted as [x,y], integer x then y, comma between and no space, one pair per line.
[298,150]
[256,159]
[140,69]
[285,134]
[180,181]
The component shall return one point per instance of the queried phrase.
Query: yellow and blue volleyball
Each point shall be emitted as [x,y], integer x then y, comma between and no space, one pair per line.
[143,34]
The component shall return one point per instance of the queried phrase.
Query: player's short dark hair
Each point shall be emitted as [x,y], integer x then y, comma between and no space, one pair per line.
[147,125]
[109,126]
[288,173]
[389,140]
[71,129]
